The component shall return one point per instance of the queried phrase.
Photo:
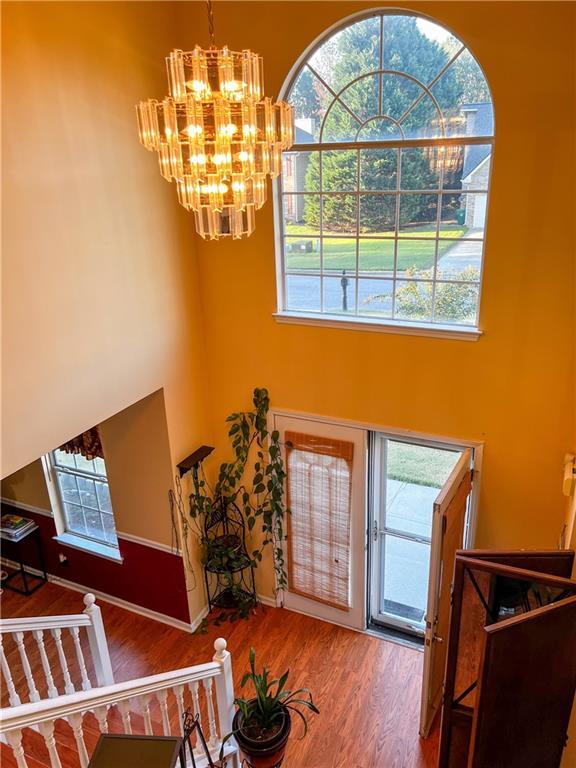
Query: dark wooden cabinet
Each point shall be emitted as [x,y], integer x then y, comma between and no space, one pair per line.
[511,665]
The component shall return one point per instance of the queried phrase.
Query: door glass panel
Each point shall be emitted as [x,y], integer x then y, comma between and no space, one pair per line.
[404,574]
[411,476]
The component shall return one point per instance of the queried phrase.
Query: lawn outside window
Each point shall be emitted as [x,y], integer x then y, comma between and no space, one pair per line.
[382,202]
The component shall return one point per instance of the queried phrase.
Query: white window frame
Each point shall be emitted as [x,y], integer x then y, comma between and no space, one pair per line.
[63,535]
[359,322]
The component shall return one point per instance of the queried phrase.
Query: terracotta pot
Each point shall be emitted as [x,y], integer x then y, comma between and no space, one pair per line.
[265,753]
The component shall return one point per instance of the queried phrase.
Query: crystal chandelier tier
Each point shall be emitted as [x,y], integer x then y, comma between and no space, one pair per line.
[217,136]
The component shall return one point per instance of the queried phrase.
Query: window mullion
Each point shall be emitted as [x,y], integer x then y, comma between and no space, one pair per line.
[396,227]
[438,224]
[358,203]
[321,158]
[439,141]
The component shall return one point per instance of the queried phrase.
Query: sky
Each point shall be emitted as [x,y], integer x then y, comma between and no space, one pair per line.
[433,31]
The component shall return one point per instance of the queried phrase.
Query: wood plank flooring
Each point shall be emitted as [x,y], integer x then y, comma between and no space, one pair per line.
[367,689]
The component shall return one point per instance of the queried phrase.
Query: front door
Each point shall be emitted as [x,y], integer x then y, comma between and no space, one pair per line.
[448,526]
[326,493]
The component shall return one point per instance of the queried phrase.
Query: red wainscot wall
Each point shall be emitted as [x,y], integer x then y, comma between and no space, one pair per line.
[148,577]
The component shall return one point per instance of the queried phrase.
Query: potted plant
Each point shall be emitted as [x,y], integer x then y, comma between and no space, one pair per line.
[262,724]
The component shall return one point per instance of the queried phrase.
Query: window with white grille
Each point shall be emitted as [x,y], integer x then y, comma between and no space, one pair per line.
[84,497]
[383,197]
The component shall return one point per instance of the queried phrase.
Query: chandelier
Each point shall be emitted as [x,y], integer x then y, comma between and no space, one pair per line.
[217,136]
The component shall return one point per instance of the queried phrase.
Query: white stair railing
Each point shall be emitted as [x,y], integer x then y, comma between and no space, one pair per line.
[156,702]
[51,648]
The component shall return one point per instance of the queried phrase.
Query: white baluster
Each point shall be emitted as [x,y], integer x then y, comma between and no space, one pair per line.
[195,701]
[68,685]
[86,684]
[146,710]
[124,707]
[33,693]
[213,740]
[47,730]
[162,696]
[7,675]
[101,715]
[38,635]
[76,723]
[15,741]
[179,694]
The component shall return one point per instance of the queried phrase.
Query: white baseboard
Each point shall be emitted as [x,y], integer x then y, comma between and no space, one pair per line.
[266,600]
[199,619]
[118,601]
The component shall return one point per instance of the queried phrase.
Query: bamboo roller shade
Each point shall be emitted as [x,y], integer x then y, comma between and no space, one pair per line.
[319,491]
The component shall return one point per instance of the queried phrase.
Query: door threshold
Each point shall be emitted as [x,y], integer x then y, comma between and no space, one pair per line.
[395,636]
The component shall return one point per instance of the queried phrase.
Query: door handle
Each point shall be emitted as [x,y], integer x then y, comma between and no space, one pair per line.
[437,639]
[375,530]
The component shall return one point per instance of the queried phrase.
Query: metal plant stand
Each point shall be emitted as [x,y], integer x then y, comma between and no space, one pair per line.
[229,575]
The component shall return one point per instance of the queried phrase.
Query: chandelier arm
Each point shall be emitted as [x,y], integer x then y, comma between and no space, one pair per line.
[210,12]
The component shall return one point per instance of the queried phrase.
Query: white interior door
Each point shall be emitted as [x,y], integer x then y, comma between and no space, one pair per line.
[326,491]
[448,524]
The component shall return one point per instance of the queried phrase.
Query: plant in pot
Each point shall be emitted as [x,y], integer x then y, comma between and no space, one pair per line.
[262,724]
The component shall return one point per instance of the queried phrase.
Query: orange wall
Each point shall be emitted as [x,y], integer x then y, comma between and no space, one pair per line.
[108,296]
[100,297]
[104,283]
[514,388]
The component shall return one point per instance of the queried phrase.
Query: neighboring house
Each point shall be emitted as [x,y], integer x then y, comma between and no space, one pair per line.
[479,121]
[295,165]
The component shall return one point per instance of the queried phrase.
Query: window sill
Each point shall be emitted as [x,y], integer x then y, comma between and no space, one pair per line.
[92,547]
[461,333]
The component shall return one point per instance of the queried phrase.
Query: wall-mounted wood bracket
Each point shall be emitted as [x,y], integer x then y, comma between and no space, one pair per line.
[194,460]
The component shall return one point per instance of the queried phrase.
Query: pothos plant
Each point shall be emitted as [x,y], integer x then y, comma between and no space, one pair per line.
[253,481]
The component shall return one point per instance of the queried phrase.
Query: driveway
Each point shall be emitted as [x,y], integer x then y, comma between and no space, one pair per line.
[303,292]
[465,252]
[406,563]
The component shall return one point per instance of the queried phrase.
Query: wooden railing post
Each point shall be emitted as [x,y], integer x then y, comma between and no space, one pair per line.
[224,687]
[98,642]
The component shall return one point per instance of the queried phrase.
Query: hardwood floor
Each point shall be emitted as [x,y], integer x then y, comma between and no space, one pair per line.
[367,689]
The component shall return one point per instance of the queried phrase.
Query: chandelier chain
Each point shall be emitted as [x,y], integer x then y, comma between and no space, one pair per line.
[210,12]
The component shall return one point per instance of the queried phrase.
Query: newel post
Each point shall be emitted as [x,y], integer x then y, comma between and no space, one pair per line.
[224,687]
[98,642]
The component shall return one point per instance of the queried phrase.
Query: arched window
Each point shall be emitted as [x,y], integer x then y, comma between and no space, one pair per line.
[382,200]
